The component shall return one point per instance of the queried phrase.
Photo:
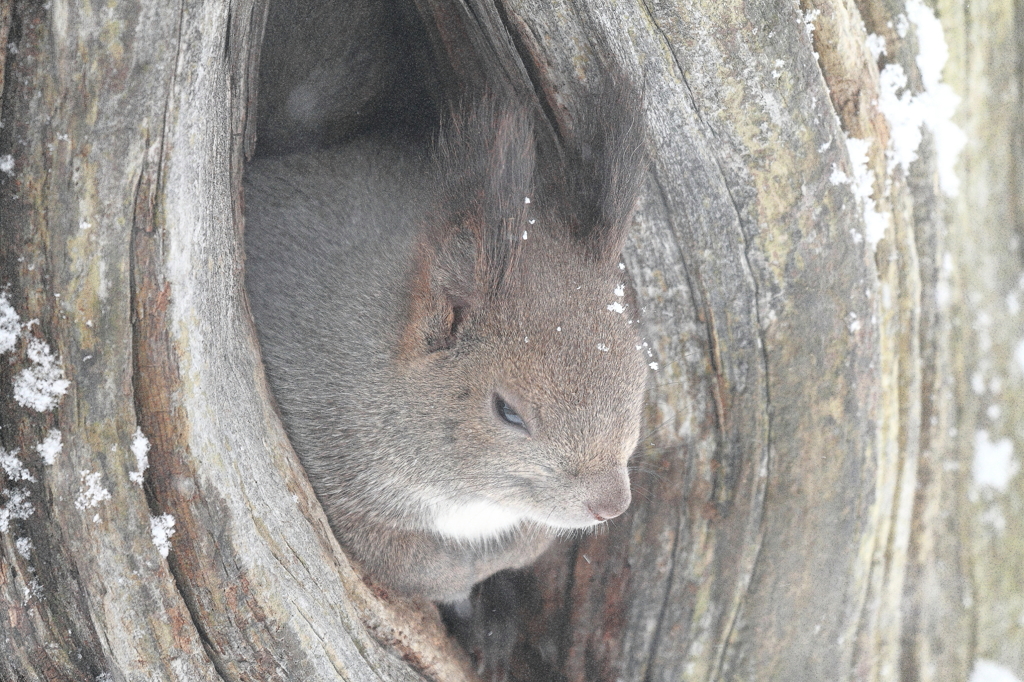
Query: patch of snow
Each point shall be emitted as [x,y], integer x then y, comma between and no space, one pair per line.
[92,491]
[140,448]
[50,447]
[654,366]
[526,200]
[990,671]
[838,177]
[994,518]
[777,71]
[994,411]
[616,307]
[809,18]
[876,44]
[10,324]
[17,506]
[7,164]
[23,546]
[33,590]
[934,107]
[853,323]
[162,528]
[13,467]
[994,465]
[525,235]
[982,325]
[41,385]
[1018,354]
[863,186]
[1012,303]
[904,114]
[602,347]
[902,25]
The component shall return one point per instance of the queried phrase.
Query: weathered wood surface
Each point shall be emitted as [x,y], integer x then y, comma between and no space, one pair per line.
[866,526]
[121,236]
[745,556]
[804,503]
[984,272]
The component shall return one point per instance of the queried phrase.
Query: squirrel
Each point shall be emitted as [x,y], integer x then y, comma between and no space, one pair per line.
[450,337]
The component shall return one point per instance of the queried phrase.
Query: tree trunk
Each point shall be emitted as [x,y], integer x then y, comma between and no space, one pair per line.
[827,489]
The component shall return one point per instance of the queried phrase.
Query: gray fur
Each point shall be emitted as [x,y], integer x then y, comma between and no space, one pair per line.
[330,70]
[394,295]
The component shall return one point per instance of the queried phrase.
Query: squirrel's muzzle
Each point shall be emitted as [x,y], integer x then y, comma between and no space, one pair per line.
[607,494]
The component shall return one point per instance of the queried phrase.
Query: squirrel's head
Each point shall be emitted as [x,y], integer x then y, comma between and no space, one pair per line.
[522,331]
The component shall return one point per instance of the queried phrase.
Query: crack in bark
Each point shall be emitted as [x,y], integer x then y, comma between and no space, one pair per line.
[656,635]
[760,487]
[145,199]
[529,66]
[761,481]
[173,78]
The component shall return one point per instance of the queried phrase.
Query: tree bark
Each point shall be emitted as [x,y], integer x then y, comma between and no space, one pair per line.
[121,236]
[810,499]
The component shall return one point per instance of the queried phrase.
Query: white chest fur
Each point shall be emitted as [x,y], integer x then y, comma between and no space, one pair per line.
[477,520]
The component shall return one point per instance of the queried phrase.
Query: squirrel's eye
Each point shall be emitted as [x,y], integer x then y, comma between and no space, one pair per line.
[506,412]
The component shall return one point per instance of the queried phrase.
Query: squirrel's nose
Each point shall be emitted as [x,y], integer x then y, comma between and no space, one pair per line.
[607,494]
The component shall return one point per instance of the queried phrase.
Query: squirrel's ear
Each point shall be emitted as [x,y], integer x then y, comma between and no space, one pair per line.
[485,158]
[606,163]
[442,291]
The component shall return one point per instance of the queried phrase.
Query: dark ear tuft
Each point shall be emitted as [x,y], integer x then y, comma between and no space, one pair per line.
[605,165]
[486,158]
